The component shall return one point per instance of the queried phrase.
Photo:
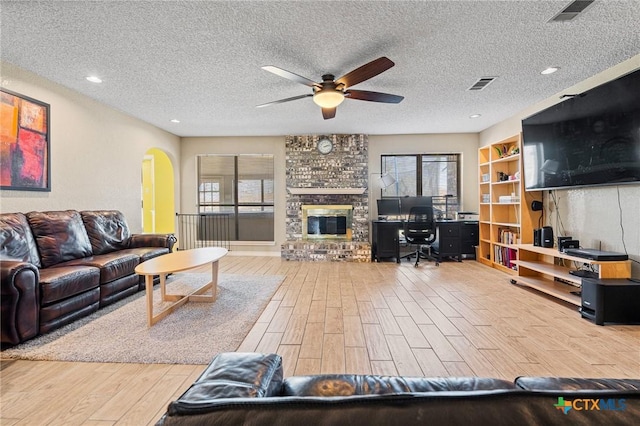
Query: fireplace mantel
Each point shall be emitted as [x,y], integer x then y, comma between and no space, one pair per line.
[326,191]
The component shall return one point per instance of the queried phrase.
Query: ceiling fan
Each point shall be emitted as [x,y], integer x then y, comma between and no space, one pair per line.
[331,92]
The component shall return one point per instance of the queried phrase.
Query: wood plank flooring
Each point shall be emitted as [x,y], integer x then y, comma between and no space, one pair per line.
[458,319]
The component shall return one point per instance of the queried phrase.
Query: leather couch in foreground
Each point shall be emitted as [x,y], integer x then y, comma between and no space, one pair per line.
[58,266]
[249,389]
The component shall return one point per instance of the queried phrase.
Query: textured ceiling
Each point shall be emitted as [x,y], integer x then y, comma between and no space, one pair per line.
[199,61]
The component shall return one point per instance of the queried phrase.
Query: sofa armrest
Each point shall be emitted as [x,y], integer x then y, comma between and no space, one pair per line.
[232,375]
[152,240]
[20,293]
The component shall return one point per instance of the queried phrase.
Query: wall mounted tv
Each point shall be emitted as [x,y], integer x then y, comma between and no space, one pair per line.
[590,139]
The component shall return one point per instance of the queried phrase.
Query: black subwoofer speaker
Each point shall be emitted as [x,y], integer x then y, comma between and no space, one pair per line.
[610,300]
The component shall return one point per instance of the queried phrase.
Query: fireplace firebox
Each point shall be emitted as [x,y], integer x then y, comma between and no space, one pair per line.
[327,222]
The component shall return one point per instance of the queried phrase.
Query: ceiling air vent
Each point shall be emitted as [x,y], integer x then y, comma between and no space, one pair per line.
[482,83]
[572,11]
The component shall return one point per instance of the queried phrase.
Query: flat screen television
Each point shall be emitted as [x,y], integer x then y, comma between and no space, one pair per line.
[590,139]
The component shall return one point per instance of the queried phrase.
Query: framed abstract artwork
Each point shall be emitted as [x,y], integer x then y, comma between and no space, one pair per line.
[25,161]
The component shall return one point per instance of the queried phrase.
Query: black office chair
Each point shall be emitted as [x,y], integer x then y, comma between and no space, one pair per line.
[420,230]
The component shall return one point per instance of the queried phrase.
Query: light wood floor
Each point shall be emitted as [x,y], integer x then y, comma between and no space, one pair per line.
[459,319]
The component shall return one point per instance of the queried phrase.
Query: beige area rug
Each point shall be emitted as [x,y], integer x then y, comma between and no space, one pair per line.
[192,334]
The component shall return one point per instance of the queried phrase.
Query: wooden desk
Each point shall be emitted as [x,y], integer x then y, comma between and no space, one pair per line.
[177,262]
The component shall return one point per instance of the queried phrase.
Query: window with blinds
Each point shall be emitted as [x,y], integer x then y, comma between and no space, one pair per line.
[434,175]
[242,186]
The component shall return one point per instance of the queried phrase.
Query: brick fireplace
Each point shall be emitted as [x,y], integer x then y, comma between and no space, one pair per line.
[314,181]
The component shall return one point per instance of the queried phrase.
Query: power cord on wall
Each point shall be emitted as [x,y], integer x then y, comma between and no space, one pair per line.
[558,218]
[624,245]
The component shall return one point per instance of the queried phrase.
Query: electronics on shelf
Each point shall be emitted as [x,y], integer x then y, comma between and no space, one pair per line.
[546,237]
[583,273]
[567,243]
[594,254]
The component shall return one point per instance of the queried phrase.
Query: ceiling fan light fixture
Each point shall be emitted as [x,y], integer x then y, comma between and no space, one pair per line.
[328,98]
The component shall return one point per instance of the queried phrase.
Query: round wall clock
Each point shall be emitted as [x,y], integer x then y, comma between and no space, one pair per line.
[325,145]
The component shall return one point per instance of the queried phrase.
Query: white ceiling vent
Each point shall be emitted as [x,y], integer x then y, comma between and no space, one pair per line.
[482,83]
[572,11]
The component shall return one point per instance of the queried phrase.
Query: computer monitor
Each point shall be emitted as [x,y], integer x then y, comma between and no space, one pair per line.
[388,207]
[407,202]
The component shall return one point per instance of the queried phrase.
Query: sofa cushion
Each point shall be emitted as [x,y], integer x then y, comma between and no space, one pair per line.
[353,384]
[107,230]
[573,384]
[16,239]
[62,282]
[68,310]
[112,265]
[118,289]
[146,253]
[60,236]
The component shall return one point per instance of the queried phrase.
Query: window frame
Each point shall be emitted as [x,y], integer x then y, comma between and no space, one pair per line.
[236,206]
[438,200]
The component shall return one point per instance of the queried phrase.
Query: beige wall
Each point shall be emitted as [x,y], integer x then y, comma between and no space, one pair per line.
[590,215]
[96,152]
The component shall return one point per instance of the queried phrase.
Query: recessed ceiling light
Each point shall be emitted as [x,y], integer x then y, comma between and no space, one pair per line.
[475,115]
[549,70]
[94,79]
[175,121]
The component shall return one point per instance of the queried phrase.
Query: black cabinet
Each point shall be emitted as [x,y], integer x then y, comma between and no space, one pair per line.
[449,244]
[385,242]
[469,238]
[455,238]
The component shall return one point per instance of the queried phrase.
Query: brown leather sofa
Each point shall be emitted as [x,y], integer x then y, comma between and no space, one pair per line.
[58,266]
[249,389]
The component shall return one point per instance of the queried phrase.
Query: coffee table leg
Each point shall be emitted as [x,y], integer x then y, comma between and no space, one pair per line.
[214,280]
[163,287]
[148,281]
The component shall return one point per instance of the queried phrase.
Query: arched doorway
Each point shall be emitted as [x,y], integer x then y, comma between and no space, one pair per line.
[158,201]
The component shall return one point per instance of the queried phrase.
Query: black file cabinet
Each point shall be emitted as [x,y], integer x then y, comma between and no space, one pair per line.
[385,242]
[469,238]
[449,242]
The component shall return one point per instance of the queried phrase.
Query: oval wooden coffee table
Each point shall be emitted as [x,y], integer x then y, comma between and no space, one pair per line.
[177,262]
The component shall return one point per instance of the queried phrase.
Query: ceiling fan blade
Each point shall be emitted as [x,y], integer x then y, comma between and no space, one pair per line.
[365,72]
[328,113]
[284,100]
[291,76]
[364,95]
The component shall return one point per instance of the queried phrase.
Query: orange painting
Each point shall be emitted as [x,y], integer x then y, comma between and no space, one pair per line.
[24,143]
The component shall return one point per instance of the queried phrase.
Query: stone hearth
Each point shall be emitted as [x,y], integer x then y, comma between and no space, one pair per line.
[340,251]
